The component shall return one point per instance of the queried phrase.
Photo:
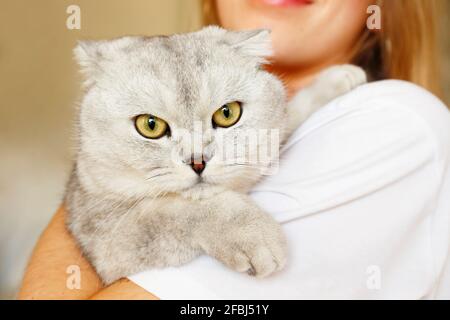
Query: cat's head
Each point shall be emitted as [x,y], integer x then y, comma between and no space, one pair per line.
[154,104]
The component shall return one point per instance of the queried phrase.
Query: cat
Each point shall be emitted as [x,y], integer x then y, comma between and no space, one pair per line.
[139,196]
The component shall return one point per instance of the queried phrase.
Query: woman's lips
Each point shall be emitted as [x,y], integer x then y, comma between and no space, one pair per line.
[286,3]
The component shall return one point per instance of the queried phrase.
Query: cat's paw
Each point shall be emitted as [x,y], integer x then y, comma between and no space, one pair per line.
[342,78]
[258,250]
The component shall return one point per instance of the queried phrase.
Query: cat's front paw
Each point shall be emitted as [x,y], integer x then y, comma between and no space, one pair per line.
[258,250]
[342,78]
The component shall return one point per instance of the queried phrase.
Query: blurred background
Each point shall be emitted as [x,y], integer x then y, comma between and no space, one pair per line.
[39,85]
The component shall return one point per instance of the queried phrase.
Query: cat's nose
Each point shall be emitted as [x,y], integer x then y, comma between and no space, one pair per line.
[198,166]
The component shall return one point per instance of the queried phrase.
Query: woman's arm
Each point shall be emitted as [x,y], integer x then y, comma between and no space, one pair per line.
[55,263]
[56,254]
[123,289]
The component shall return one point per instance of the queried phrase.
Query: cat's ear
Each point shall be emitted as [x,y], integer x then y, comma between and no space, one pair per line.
[91,54]
[87,54]
[253,43]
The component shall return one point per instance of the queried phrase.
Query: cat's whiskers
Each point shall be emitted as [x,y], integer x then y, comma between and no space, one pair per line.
[159,194]
[119,221]
[151,199]
[117,206]
[91,237]
[157,175]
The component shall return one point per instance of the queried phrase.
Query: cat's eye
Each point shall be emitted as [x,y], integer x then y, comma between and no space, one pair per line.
[227,115]
[150,127]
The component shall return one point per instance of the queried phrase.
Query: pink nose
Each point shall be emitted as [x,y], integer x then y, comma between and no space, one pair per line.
[197,166]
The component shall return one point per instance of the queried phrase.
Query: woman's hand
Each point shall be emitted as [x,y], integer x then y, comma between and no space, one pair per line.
[57,261]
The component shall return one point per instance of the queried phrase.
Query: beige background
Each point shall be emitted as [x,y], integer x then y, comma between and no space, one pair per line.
[38,87]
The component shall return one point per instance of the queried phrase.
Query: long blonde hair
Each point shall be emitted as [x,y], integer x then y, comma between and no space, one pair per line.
[405,48]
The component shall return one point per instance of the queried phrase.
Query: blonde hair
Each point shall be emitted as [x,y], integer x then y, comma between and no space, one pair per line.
[405,48]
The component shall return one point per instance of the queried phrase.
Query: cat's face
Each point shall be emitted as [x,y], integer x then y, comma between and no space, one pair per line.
[151,105]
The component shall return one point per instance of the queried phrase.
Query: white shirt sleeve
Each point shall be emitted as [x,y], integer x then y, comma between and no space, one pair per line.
[363,194]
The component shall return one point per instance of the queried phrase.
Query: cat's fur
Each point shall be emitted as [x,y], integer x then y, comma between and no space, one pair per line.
[133,203]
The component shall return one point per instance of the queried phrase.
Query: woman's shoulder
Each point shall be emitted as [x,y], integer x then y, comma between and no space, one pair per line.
[391,110]
[403,94]
[393,97]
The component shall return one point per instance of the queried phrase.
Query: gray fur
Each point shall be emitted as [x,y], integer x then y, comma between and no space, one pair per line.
[131,204]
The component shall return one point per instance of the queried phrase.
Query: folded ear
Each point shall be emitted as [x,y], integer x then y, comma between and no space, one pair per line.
[91,54]
[87,54]
[253,43]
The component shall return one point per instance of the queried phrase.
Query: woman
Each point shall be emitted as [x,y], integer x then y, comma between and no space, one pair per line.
[362,191]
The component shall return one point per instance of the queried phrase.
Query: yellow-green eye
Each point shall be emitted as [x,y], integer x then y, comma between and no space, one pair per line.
[150,127]
[227,115]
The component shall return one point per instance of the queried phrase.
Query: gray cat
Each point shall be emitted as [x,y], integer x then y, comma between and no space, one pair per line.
[141,194]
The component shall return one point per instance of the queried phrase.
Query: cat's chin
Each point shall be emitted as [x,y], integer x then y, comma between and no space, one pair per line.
[201,190]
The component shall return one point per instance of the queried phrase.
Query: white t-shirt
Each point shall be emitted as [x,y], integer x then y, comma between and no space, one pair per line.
[363,194]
